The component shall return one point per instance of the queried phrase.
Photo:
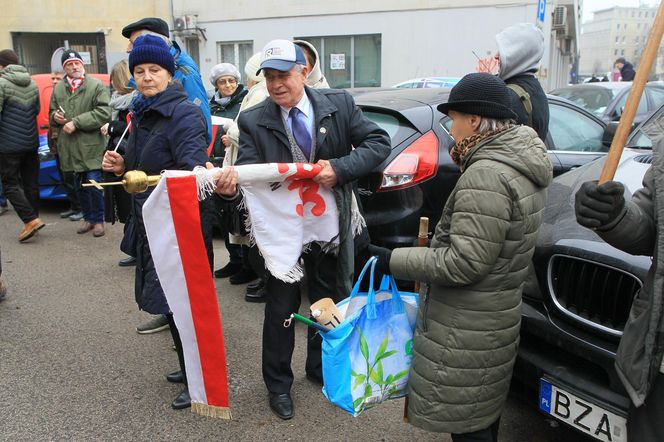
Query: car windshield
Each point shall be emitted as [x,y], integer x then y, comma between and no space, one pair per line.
[642,138]
[593,99]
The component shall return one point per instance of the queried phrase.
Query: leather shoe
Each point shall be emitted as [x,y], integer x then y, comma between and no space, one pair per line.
[76,216]
[85,228]
[182,401]
[259,296]
[98,230]
[127,262]
[30,228]
[228,270]
[176,377]
[256,286]
[282,405]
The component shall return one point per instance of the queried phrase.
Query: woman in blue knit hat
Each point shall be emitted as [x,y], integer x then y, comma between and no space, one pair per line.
[167,132]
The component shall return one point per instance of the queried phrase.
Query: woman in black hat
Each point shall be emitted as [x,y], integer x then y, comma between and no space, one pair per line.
[473,272]
[167,132]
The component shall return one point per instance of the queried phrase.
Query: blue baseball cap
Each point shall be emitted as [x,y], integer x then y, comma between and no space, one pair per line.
[281,55]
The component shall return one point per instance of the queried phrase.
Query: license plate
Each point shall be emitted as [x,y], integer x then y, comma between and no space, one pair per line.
[581,414]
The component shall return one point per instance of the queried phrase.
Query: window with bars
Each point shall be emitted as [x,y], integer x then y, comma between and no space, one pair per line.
[235,52]
[349,60]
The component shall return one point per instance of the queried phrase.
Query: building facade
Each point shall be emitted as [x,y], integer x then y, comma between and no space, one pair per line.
[617,32]
[369,43]
[35,29]
[375,42]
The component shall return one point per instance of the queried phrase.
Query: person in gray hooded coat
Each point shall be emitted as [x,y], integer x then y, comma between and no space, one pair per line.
[520,50]
[636,227]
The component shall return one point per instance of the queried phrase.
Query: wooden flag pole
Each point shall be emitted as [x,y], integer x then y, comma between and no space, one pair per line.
[422,241]
[627,118]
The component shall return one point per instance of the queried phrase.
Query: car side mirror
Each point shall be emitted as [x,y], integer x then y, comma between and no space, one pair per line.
[609,133]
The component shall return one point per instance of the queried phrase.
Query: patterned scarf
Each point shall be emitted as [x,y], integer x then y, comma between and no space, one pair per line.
[140,104]
[74,83]
[461,149]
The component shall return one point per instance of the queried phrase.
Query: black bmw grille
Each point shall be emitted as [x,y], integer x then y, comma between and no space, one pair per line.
[645,158]
[592,293]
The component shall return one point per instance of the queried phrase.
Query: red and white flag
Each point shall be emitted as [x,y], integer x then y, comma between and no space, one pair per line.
[287,210]
[173,227]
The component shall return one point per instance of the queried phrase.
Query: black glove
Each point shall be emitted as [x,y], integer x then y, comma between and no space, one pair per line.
[383,255]
[599,205]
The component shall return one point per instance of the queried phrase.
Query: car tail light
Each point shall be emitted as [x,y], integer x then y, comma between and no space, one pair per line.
[418,162]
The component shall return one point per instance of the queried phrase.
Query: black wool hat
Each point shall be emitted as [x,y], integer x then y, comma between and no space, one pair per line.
[480,94]
[70,55]
[151,49]
[153,24]
[7,57]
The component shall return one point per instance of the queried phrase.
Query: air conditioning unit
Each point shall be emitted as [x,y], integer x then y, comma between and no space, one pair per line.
[191,22]
[562,32]
[559,18]
[185,23]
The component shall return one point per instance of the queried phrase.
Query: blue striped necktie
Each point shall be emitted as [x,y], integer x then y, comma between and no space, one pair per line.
[300,131]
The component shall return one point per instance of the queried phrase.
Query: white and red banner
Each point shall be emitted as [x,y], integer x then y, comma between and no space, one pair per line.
[287,210]
[173,227]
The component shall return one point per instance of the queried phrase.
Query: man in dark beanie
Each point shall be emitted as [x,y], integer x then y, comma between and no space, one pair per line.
[19,141]
[7,57]
[78,109]
[473,271]
[187,72]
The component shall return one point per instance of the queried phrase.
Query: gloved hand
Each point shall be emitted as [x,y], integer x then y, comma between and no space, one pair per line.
[384,255]
[598,205]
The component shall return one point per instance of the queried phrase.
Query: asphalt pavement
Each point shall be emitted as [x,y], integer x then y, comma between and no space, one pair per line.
[73,367]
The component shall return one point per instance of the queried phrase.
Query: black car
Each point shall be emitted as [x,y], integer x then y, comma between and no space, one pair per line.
[419,174]
[576,304]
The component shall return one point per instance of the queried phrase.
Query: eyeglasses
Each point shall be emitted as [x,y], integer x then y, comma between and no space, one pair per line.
[225,81]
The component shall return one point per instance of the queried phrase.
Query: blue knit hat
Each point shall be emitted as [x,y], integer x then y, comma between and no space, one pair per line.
[151,49]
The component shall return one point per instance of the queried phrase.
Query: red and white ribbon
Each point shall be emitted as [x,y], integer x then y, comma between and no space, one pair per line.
[173,226]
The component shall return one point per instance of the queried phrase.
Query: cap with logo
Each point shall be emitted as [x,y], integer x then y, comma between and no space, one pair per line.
[70,55]
[281,55]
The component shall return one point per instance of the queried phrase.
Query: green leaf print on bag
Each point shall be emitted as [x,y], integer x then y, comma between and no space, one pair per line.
[374,378]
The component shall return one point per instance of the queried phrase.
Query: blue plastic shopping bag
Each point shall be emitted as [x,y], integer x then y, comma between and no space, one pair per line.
[366,358]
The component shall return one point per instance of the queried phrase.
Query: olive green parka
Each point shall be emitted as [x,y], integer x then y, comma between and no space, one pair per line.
[88,108]
[473,273]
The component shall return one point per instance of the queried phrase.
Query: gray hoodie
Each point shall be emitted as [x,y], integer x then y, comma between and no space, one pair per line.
[521,48]
[315,79]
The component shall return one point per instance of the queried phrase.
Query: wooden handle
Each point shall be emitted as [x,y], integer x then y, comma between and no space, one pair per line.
[423,234]
[627,118]
[422,240]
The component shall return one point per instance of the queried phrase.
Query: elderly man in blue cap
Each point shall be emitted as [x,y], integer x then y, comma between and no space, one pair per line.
[299,124]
